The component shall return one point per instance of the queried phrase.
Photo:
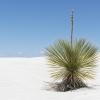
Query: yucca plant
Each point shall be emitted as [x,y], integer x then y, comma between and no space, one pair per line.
[71,63]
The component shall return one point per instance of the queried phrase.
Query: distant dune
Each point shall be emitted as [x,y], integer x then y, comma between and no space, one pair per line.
[24,79]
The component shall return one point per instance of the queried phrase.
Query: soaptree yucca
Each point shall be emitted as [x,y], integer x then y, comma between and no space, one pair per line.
[71,63]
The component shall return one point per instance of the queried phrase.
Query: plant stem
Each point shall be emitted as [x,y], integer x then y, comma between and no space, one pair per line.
[72,23]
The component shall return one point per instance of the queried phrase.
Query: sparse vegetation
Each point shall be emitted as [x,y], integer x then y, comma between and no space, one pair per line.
[71,63]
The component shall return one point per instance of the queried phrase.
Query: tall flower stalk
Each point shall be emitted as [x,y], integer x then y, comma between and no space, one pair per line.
[72,24]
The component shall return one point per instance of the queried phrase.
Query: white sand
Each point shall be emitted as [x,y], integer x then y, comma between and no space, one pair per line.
[23,79]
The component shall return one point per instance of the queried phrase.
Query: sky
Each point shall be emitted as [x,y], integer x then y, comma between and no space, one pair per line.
[27,27]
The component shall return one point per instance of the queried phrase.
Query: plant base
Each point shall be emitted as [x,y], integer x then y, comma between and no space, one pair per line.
[65,86]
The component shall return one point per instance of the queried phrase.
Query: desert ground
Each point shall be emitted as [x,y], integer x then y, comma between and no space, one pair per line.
[25,79]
